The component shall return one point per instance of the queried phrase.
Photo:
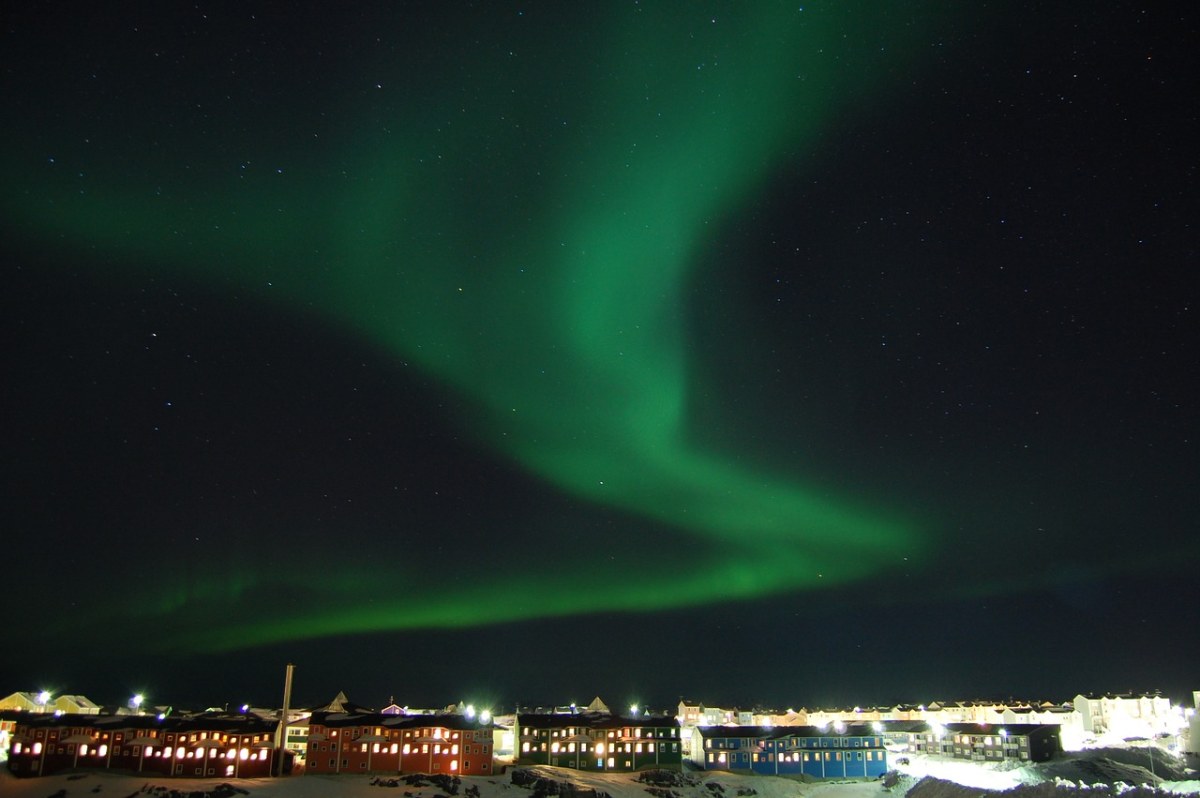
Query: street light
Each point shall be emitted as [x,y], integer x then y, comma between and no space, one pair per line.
[136,703]
[43,698]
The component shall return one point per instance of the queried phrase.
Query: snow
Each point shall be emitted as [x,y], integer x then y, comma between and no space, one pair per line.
[1067,772]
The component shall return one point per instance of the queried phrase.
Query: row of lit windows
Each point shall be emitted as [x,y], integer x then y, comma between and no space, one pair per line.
[572,731]
[974,739]
[599,748]
[167,752]
[378,731]
[363,765]
[153,734]
[793,742]
[829,756]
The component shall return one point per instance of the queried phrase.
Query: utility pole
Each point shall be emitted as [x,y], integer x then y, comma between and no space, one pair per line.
[281,729]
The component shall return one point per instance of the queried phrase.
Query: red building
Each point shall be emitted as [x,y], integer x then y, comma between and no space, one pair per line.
[217,745]
[375,742]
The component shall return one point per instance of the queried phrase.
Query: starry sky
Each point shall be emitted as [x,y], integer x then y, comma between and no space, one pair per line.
[778,353]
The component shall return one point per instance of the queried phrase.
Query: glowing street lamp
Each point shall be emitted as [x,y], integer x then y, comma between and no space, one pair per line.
[43,698]
[485,717]
[633,710]
[136,703]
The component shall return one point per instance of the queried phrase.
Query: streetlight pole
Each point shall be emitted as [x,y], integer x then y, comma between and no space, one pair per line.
[281,730]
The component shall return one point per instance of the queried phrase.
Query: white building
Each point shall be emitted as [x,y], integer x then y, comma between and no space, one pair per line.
[1127,714]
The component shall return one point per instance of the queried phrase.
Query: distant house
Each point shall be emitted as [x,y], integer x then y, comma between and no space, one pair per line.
[836,751]
[43,702]
[297,739]
[374,742]
[985,742]
[216,745]
[1126,714]
[598,741]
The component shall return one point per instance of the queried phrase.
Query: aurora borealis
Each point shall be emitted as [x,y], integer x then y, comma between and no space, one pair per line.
[431,320]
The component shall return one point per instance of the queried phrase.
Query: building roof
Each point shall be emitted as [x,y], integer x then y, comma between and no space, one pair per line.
[1012,729]
[781,732]
[230,723]
[341,703]
[596,720]
[338,720]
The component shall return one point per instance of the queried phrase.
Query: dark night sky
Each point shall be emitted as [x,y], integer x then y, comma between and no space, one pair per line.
[764,353]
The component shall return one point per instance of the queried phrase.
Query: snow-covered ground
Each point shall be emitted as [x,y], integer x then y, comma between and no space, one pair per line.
[995,777]
[988,776]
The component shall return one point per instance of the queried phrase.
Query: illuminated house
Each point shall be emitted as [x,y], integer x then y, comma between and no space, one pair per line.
[44,702]
[987,742]
[1126,714]
[598,741]
[217,745]
[838,751]
[375,742]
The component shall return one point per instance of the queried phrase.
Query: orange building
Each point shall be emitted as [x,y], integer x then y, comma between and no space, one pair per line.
[375,742]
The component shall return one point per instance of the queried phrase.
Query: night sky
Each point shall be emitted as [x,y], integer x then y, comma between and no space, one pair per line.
[760,353]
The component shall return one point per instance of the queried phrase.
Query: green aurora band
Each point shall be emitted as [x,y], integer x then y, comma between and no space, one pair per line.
[528,243]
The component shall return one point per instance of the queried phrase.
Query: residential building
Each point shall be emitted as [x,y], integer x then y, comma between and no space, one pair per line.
[1127,714]
[374,742]
[987,742]
[835,751]
[44,702]
[209,745]
[598,741]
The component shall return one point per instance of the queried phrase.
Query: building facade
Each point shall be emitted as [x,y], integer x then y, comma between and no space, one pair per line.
[375,742]
[211,745]
[985,742]
[598,741]
[1127,714]
[849,751]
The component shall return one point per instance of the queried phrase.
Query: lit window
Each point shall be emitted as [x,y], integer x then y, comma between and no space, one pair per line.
[454,764]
